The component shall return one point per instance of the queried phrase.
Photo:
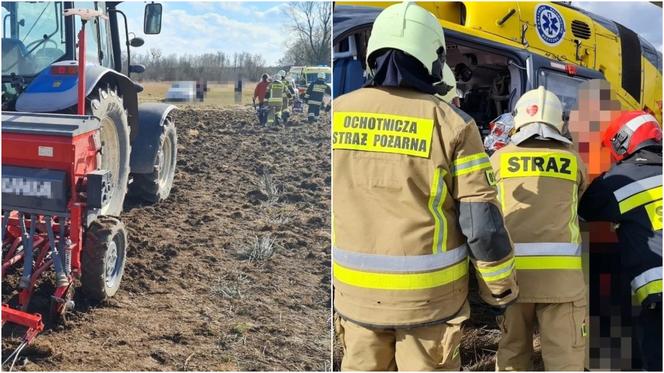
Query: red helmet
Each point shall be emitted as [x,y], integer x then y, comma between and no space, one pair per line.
[631,131]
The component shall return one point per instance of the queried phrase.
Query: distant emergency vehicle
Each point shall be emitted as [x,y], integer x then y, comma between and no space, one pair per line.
[305,75]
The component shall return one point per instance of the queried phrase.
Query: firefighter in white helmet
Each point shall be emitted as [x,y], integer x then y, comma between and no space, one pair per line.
[540,178]
[289,92]
[412,202]
[277,93]
[314,97]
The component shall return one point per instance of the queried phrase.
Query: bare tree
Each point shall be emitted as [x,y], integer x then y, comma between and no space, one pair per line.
[155,53]
[311,23]
[216,66]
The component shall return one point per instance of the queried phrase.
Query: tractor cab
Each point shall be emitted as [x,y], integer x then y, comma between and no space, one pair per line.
[38,34]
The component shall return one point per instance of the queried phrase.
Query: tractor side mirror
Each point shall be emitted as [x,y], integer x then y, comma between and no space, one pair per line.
[152,19]
[136,42]
[138,69]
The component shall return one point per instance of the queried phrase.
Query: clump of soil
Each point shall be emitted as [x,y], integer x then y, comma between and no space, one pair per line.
[231,272]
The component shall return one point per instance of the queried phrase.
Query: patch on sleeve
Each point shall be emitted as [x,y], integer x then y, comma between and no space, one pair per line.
[382,133]
[490,177]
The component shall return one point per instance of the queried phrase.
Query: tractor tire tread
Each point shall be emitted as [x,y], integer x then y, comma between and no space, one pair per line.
[146,186]
[113,106]
[98,235]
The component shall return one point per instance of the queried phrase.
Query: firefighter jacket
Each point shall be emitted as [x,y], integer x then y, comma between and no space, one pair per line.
[630,195]
[412,200]
[316,91]
[277,91]
[539,183]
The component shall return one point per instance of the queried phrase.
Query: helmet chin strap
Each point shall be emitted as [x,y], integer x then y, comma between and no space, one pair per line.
[620,141]
[442,88]
[437,72]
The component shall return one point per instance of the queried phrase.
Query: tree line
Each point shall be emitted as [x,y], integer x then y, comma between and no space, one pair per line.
[311,27]
[217,66]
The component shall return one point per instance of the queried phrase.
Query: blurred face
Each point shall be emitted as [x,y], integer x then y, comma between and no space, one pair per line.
[596,108]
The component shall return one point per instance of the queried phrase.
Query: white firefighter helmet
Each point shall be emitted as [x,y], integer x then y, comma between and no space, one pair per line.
[412,29]
[281,74]
[539,106]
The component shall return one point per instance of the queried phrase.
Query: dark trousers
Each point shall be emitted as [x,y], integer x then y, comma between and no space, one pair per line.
[649,337]
[313,111]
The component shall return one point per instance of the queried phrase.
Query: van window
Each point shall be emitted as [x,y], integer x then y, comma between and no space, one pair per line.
[564,86]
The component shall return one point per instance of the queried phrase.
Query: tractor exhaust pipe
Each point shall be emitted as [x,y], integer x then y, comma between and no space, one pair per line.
[86,15]
[81,68]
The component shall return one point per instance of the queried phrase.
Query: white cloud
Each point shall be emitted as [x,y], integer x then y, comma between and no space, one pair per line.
[206,29]
[275,11]
[241,8]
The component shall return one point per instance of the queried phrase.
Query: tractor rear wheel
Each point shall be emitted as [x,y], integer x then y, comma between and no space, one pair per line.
[156,186]
[106,105]
[103,258]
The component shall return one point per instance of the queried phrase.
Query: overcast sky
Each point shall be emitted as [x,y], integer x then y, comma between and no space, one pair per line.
[642,17]
[261,27]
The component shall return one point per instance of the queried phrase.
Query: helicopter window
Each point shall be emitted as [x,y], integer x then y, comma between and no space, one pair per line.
[488,83]
[564,86]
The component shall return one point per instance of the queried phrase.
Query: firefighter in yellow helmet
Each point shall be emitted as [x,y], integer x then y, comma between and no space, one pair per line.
[413,205]
[540,178]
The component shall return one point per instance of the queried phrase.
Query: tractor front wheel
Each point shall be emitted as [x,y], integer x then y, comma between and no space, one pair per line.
[156,186]
[103,258]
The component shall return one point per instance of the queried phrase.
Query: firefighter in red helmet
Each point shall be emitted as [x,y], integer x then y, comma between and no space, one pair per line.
[630,196]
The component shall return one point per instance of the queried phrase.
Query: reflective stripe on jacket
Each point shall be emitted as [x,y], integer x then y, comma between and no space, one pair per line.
[407,168]
[315,92]
[630,196]
[276,92]
[539,183]
[647,283]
